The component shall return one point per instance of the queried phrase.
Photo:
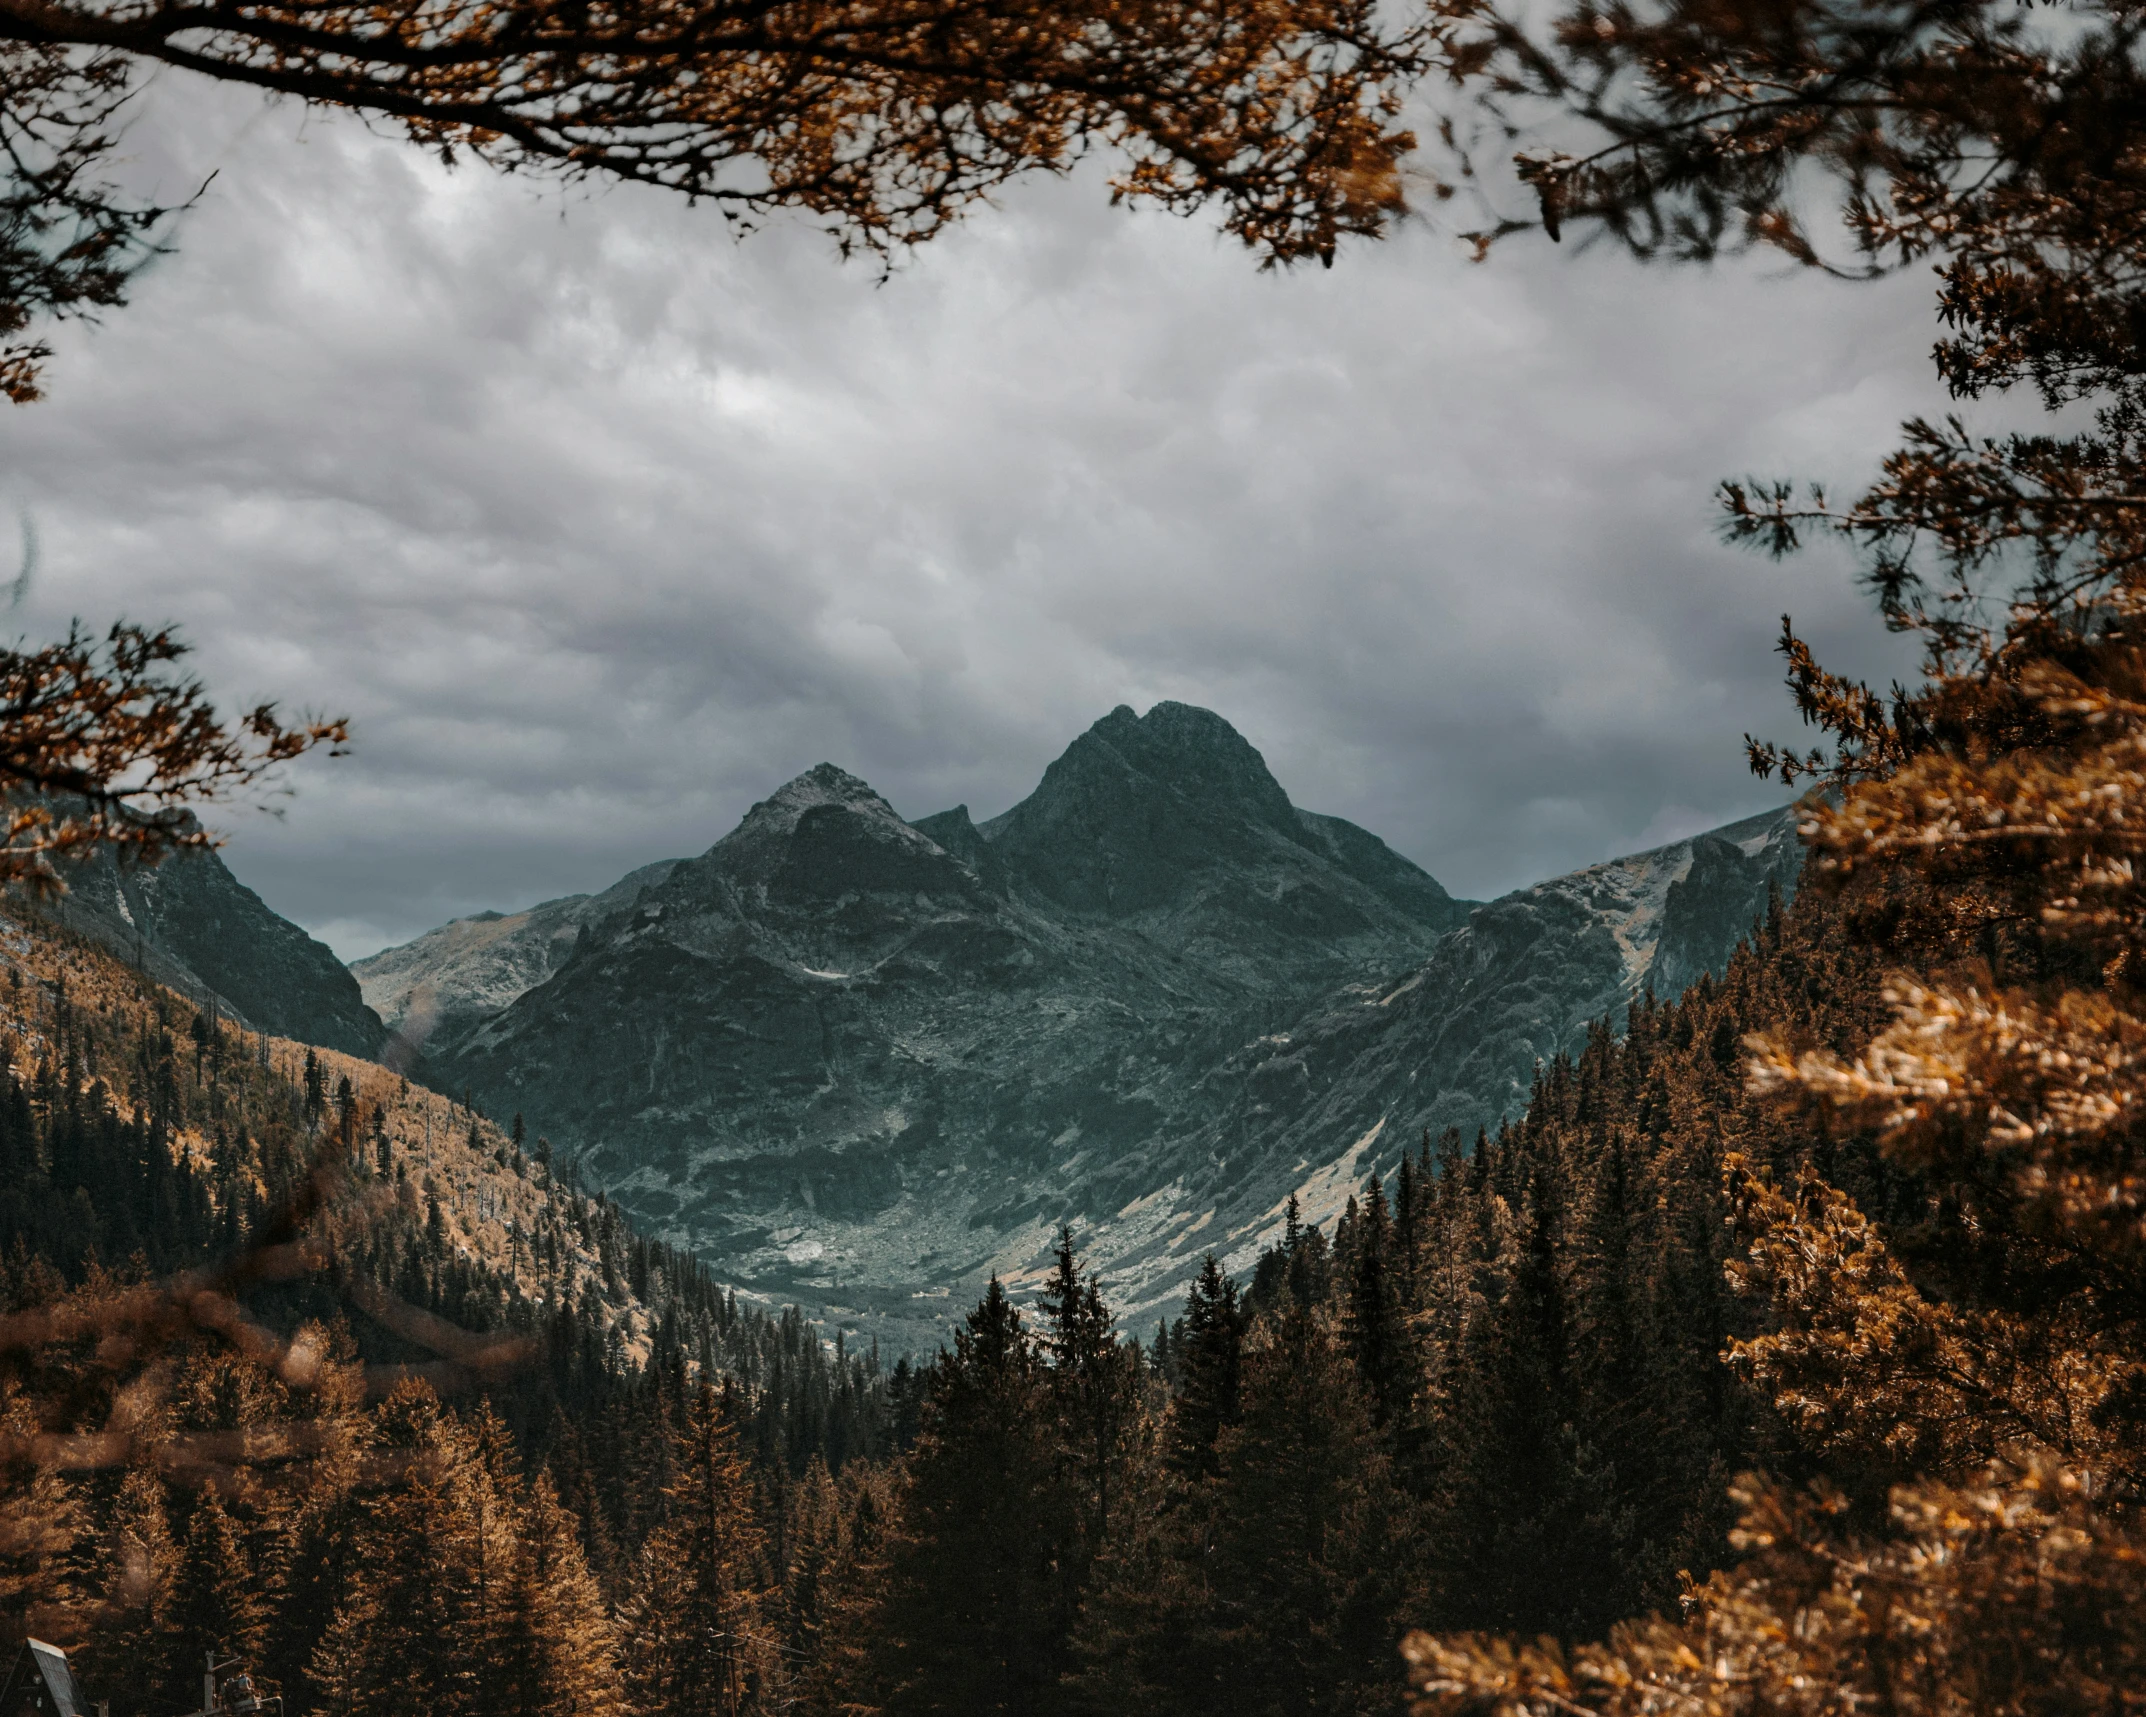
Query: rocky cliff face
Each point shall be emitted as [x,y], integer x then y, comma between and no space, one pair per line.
[193,925]
[1171,822]
[860,1063]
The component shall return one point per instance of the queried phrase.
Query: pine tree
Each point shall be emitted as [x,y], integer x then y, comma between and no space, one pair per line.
[1210,1368]
[319,1558]
[1374,1333]
[414,1632]
[43,1526]
[217,1601]
[809,1516]
[701,1644]
[133,1657]
[839,1665]
[972,1619]
[1272,1587]
[504,1629]
[576,1647]
[581,1497]
[1311,1549]
[1098,1389]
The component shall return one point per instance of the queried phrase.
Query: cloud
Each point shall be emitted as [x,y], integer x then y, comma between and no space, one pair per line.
[601,525]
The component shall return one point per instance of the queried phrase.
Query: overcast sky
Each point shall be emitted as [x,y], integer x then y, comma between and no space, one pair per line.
[601,525]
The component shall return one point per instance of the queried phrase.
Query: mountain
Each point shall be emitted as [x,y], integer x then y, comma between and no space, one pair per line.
[862,1062]
[830,970]
[1316,1109]
[191,924]
[435,990]
[1164,818]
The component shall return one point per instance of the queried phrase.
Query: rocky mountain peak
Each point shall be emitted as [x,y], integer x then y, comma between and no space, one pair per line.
[764,834]
[1201,755]
[1137,805]
[822,835]
[1174,752]
[954,831]
[777,815]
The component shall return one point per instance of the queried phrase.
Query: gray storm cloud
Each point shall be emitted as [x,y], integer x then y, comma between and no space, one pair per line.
[601,525]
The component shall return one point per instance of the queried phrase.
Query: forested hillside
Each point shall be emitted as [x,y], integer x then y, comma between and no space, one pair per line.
[1493,1397]
[260,1286]
[1785,1358]
[458,1438]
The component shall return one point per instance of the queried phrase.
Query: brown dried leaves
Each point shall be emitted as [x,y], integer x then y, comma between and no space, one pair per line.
[2010,1593]
[885,117]
[103,747]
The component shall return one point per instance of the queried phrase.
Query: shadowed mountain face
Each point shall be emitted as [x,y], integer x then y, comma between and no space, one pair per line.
[190,923]
[860,1062]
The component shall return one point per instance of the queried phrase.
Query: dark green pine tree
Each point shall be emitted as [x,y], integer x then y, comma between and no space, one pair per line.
[971,1620]
[1375,1327]
[1210,1366]
[1407,1201]
[575,1481]
[1274,1588]
[1505,1508]
[1309,1559]
[1098,1387]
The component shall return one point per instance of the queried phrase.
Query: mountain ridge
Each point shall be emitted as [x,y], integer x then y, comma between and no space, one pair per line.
[860,1061]
[189,923]
[451,978]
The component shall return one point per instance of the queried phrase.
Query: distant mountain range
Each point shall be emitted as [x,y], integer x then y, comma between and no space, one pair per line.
[441,987]
[858,1062]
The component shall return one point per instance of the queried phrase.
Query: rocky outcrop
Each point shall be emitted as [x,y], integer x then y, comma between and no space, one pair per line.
[1708,908]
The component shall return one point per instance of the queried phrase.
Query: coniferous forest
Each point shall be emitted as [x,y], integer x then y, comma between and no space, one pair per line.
[493,1452]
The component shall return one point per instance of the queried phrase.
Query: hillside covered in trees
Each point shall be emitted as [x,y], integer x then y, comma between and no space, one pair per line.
[461,1438]
[371,1251]
[1788,1356]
